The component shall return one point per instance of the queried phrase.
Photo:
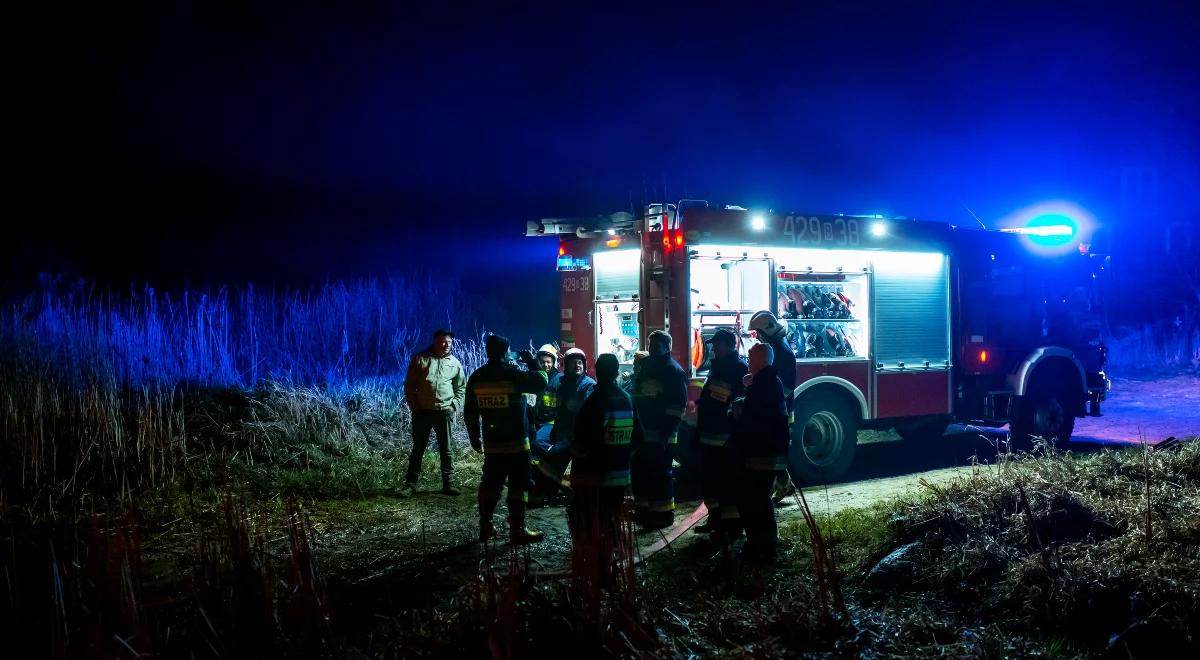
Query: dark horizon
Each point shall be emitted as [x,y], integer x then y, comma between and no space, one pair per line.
[291,145]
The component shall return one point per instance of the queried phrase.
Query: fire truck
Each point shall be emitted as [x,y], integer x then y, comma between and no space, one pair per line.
[896,324]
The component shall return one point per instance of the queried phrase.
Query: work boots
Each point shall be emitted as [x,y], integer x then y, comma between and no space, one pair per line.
[487,530]
[520,534]
[448,488]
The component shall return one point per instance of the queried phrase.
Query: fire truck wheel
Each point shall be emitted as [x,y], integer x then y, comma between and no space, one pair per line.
[1044,412]
[823,439]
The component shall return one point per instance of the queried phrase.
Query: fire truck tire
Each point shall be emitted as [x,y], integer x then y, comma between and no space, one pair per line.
[1044,412]
[823,439]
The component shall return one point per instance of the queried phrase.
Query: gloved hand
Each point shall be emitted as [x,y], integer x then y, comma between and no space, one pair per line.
[526,359]
[477,445]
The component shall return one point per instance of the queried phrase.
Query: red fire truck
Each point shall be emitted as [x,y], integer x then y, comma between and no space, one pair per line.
[896,324]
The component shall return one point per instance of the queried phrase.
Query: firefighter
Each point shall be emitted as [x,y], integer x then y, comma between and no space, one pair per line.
[434,386]
[719,469]
[600,469]
[627,379]
[574,388]
[774,333]
[760,438]
[545,406]
[660,394]
[495,398]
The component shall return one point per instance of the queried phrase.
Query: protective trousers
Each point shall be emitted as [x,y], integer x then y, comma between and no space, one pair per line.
[497,470]
[551,463]
[653,490]
[595,517]
[719,487]
[758,513]
[424,421]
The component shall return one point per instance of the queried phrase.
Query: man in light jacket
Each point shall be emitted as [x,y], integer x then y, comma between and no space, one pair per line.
[434,388]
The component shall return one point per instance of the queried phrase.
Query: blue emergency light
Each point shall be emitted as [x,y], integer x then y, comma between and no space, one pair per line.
[1050,227]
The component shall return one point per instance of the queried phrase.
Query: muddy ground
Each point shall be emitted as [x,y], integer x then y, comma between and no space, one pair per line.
[385,556]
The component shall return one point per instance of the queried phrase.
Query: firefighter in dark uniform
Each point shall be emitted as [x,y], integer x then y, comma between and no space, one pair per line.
[660,395]
[600,469]
[760,438]
[774,333]
[545,406]
[495,398]
[573,389]
[719,469]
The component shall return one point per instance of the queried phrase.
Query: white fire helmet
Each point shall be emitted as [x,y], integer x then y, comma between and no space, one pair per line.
[767,326]
[548,349]
[575,353]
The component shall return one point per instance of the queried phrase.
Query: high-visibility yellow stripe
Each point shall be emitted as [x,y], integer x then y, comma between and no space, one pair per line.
[506,447]
[611,478]
[494,387]
[663,505]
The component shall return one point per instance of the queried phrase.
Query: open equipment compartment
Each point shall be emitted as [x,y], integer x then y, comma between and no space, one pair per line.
[617,305]
[726,289]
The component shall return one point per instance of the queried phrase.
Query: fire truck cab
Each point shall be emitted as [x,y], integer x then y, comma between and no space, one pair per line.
[896,324]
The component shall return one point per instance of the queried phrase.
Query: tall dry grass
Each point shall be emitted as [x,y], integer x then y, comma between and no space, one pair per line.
[1155,347]
[106,392]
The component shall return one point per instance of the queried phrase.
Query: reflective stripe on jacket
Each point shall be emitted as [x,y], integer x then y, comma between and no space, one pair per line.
[660,395]
[723,385]
[603,431]
[547,403]
[572,392]
[785,368]
[760,423]
[495,398]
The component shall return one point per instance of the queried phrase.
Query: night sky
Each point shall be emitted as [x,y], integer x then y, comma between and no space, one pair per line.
[213,142]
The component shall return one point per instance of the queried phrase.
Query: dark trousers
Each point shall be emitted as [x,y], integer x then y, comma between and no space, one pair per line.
[653,490]
[550,462]
[499,469]
[719,473]
[757,510]
[595,518]
[423,422]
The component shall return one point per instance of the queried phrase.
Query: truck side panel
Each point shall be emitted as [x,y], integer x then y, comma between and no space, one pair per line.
[910,393]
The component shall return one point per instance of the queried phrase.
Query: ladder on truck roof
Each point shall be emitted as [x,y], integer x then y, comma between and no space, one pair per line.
[621,221]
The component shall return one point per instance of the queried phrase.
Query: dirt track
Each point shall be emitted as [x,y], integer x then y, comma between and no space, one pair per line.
[1137,410]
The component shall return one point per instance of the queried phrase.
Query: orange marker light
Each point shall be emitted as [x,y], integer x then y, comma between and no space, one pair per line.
[561,250]
[983,357]
[613,242]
